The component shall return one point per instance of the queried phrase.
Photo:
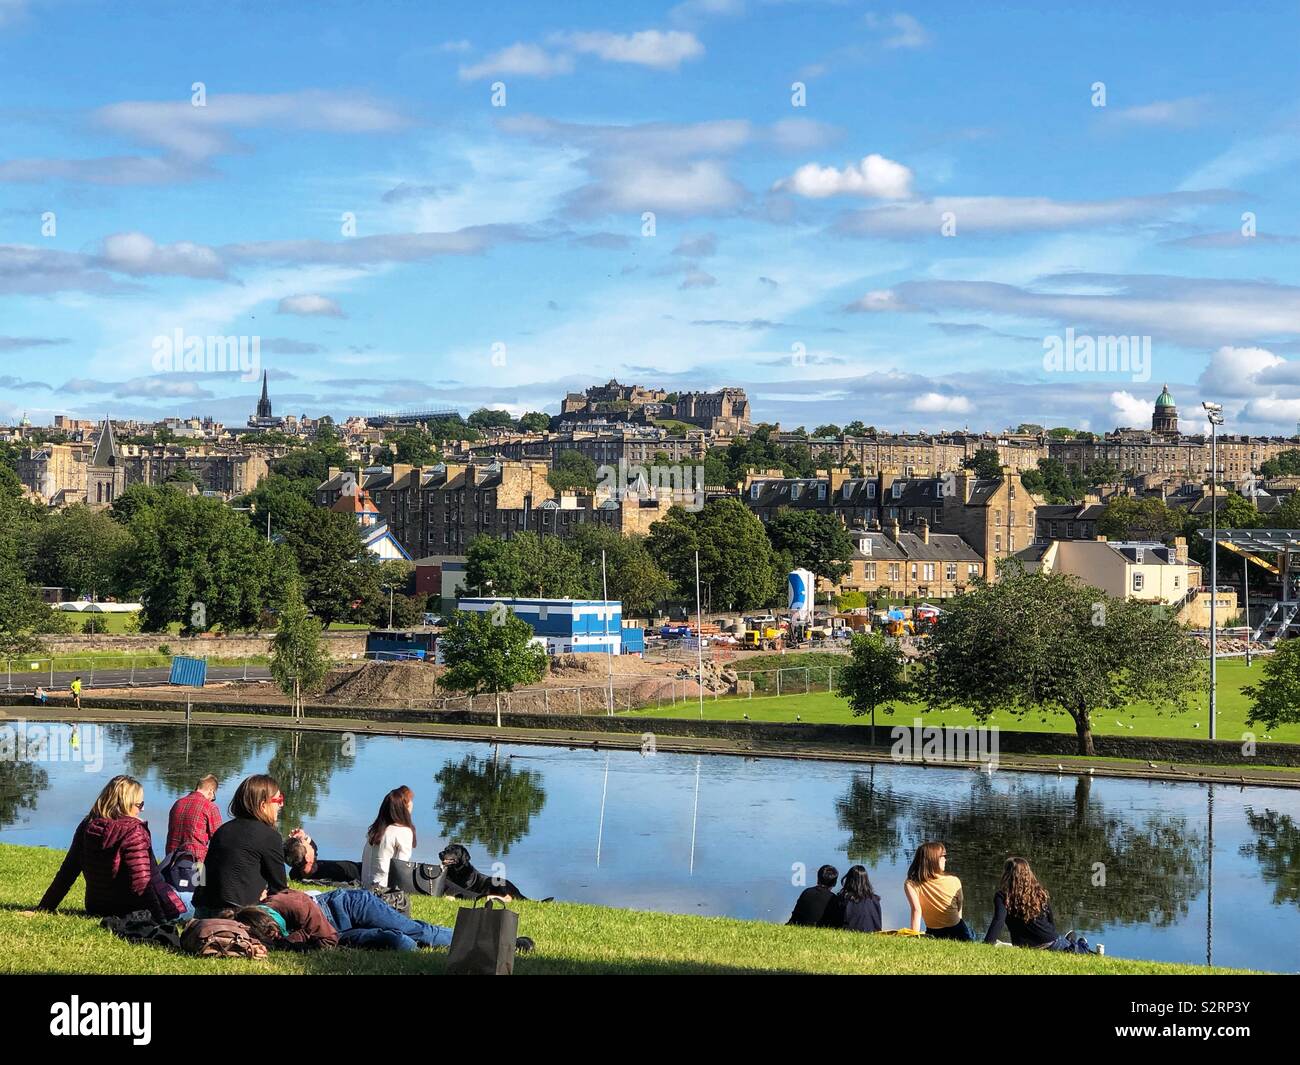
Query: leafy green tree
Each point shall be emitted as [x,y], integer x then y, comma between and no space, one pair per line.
[1047,643]
[874,676]
[407,445]
[814,540]
[1276,699]
[490,651]
[1287,516]
[572,470]
[633,576]
[299,663]
[283,498]
[830,429]
[736,558]
[534,422]
[182,475]
[80,549]
[985,463]
[336,568]
[1238,512]
[451,427]
[24,616]
[1130,518]
[526,565]
[195,561]
[1028,428]
[856,428]
[138,497]
[1061,432]
[483,418]
[1285,464]
[851,601]
[482,800]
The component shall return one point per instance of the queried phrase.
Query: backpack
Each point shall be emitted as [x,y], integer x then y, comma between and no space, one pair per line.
[180,869]
[142,927]
[217,937]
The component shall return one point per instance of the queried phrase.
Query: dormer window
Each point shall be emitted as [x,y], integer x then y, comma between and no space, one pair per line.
[898,489]
[794,491]
[864,545]
[821,491]
[753,490]
[871,489]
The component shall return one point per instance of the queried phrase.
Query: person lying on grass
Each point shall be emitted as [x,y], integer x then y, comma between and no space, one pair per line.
[113,850]
[301,856]
[346,917]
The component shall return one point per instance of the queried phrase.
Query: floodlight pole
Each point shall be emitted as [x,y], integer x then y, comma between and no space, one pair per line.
[1215,414]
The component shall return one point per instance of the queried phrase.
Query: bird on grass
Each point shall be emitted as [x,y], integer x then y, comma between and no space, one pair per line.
[1152,765]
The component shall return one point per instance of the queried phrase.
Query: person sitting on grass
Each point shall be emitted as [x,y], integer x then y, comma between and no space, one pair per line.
[810,907]
[1023,905]
[300,856]
[113,850]
[246,855]
[346,917]
[935,895]
[39,696]
[857,907]
[391,835]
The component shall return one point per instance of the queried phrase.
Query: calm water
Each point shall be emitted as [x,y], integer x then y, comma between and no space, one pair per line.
[722,834]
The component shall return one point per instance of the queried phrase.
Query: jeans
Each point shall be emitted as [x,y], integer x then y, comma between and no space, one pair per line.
[187,898]
[1078,945]
[364,920]
[960,930]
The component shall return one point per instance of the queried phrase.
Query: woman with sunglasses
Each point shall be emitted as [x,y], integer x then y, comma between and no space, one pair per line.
[935,895]
[113,850]
[245,861]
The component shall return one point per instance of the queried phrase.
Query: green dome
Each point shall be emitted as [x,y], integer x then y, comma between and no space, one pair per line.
[1165,399]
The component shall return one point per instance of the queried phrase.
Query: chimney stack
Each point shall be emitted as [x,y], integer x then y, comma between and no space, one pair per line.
[923,530]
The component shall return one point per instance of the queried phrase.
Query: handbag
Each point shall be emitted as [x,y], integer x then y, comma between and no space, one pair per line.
[420,878]
[395,897]
[483,943]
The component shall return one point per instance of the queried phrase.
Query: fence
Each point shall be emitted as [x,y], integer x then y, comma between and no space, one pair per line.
[117,671]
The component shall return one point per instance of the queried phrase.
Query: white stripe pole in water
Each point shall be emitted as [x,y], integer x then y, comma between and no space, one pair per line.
[699,633]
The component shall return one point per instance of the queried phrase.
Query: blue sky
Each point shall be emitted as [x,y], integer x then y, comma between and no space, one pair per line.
[953,187]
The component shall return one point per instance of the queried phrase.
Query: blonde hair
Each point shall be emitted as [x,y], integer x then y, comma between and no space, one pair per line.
[119,798]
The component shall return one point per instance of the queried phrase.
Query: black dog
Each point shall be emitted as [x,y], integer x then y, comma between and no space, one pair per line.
[462,874]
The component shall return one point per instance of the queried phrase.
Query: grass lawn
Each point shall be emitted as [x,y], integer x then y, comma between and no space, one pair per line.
[571,939]
[828,708]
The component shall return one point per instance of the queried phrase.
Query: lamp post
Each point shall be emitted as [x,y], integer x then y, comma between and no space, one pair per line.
[1214,412]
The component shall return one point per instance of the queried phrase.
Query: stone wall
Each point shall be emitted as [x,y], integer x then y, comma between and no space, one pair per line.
[340,645]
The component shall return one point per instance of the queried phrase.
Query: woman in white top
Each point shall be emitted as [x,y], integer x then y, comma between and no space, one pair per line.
[391,836]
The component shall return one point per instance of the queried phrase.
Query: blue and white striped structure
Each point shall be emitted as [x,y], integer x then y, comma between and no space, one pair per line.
[566,624]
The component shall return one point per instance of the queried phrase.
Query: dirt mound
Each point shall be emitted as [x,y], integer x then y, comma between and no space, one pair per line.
[382,682]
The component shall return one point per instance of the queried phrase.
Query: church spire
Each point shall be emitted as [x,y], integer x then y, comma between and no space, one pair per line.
[264,404]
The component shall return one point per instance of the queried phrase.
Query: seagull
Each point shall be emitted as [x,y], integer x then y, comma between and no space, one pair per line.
[1060,768]
[1090,770]
[745,716]
[797,717]
[1152,765]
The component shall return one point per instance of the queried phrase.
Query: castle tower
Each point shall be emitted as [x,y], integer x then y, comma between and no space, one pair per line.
[1165,417]
[106,474]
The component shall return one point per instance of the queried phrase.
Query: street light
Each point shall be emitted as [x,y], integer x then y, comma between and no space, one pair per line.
[1214,412]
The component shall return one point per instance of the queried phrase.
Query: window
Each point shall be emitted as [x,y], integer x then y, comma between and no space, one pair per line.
[929,571]
[1069,530]
[1052,533]
[821,491]
[864,545]
[794,491]
[894,570]
[913,571]
[997,544]
[1177,581]
[997,517]
[972,570]
[950,571]
[898,489]
[1138,580]
[870,569]
[753,490]
[871,490]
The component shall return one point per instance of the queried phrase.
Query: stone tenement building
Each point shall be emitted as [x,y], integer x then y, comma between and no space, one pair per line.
[1164,450]
[923,454]
[995,516]
[726,410]
[635,445]
[438,510]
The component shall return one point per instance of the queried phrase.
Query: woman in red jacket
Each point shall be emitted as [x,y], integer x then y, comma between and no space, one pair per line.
[113,850]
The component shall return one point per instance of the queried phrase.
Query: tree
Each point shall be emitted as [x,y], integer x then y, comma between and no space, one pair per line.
[1129,518]
[535,422]
[1061,432]
[529,565]
[1047,643]
[1276,700]
[195,561]
[985,463]
[736,558]
[814,540]
[337,570]
[856,428]
[451,427]
[874,676]
[484,418]
[1053,481]
[572,470]
[850,601]
[481,799]
[24,616]
[281,497]
[1238,512]
[80,549]
[634,578]
[1285,464]
[490,651]
[830,429]
[298,662]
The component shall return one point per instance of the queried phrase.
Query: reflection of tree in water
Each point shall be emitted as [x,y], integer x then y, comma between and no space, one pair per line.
[1277,847]
[20,784]
[178,756]
[1153,868]
[870,813]
[480,799]
[303,763]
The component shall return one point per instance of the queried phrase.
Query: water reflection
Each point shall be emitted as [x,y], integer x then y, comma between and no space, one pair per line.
[1128,862]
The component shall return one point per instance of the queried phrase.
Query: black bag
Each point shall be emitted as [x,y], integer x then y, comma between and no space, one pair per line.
[423,878]
[142,927]
[483,943]
[395,897]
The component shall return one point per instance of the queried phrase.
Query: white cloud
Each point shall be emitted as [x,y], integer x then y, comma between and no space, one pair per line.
[1235,372]
[521,60]
[136,254]
[662,50]
[938,403]
[905,31]
[639,184]
[316,306]
[875,176]
[1129,411]
[1175,113]
[879,300]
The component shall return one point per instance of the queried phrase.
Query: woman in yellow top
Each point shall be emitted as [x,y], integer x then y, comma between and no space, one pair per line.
[935,894]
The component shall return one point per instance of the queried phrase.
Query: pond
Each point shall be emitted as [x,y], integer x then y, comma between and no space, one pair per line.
[1167,871]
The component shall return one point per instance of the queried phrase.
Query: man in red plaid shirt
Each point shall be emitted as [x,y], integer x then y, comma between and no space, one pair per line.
[193,819]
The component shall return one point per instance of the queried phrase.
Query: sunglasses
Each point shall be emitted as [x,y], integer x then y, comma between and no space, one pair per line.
[139,806]
[278,800]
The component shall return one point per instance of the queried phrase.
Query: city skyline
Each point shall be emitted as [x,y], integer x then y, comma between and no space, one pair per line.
[347,193]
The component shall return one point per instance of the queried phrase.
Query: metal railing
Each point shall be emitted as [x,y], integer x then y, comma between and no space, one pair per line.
[56,672]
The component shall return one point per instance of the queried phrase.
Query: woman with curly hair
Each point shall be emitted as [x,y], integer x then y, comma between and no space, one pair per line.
[1023,905]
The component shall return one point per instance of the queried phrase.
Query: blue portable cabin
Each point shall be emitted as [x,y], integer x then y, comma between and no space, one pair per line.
[567,625]
[400,645]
